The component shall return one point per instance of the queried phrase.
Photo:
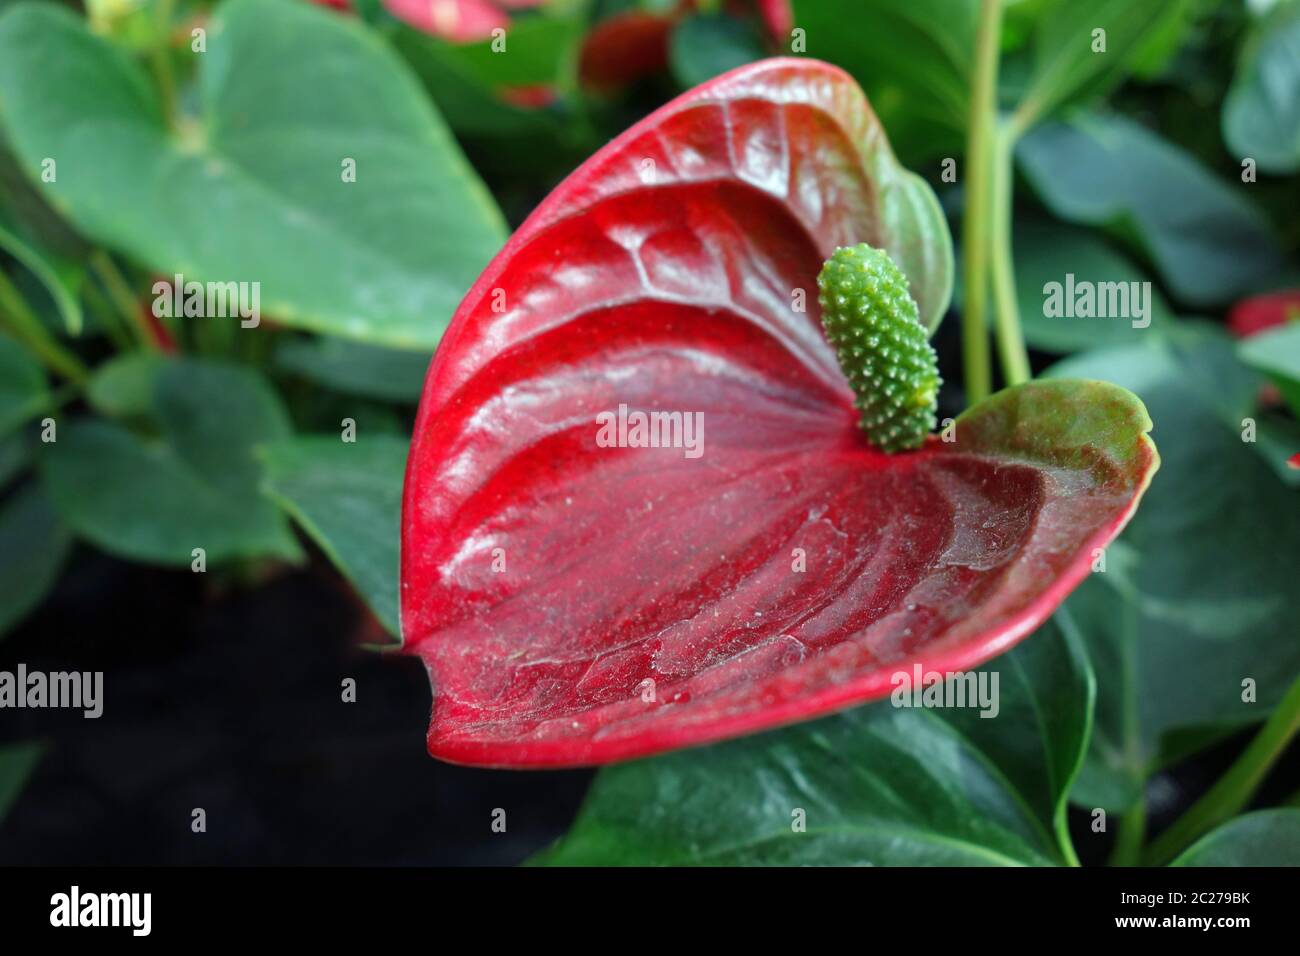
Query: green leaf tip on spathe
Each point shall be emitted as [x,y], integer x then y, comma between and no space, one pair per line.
[871,320]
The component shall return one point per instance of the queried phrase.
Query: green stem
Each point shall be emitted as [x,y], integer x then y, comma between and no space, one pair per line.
[1006,313]
[1019,122]
[106,316]
[1063,839]
[27,328]
[975,221]
[1133,823]
[160,60]
[1132,830]
[1235,788]
[123,299]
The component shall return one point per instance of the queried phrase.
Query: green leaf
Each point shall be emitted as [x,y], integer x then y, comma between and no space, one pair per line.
[356,369]
[1197,592]
[23,390]
[520,142]
[15,455]
[914,61]
[1261,114]
[61,277]
[1276,353]
[123,387]
[34,545]
[252,189]
[706,45]
[1208,242]
[348,498]
[17,761]
[879,785]
[1263,838]
[27,213]
[537,49]
[1049,254]
[915,58]
[196,484]
[1068,61]
[1276,441]
[466,100]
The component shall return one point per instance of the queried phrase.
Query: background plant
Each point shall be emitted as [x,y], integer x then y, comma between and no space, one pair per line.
[1119,165]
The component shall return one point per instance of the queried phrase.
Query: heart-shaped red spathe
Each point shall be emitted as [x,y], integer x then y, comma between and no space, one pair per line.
[580,604]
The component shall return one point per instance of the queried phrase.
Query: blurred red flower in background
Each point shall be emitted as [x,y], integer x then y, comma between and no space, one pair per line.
[461,21]
[1261,312]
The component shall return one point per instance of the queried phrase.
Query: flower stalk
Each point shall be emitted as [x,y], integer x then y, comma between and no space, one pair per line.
[1235,788]
[979,142]
[27,328]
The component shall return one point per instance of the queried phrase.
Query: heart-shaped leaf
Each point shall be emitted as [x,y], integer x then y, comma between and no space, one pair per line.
[34,544]
[23,390]
[534,50]
[61,277]
[1263,838]
[1278,443]
[1076,292]
[915,62]
[1197,595]
[1106,170]
[347,496]
[704,45]
[27,213]
[1261,114]
[355,368]
[124,387]
[256,187]
[1276,353]
[774,567]
[15,456]
[193,484]
[516,141]
[1083,49]
[916,58]
[880,785]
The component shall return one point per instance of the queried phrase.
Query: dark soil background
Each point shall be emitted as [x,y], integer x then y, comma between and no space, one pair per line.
[232,702]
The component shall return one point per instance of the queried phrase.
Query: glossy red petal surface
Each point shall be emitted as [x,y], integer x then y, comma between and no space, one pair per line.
[672,291]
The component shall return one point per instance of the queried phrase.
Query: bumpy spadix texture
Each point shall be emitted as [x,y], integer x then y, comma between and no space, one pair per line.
[580,603]
[870,318]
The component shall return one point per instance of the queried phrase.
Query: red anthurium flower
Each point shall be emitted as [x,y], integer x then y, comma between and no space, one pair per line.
[577,603]
[633,44]
[778,18]
[461,21]
[624,48]
[1261,312]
